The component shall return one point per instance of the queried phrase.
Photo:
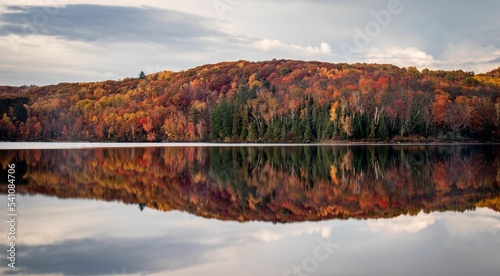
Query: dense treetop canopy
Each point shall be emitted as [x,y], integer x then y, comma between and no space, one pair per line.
[269,101]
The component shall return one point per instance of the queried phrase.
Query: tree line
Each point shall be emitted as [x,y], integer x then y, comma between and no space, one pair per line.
[270,101]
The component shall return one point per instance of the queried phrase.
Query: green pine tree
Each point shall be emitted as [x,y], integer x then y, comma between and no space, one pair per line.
[372,130]
[142,75]
[252,135]
[383,130]
[358,126]
[215,122]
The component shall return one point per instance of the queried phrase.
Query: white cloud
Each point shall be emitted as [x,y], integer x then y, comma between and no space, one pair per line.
[45,51]
[469,51]
[37,59]
[470,55]
[409,56]
[401,224]
[462,224]
[482,220]
[42,60]
[279,232]
[267,45]
[466,55]
[325,48]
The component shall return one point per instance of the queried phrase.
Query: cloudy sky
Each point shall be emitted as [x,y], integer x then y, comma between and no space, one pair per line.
[52,41]
[88,237]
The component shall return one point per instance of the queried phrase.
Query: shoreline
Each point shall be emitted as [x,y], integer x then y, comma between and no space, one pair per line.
[83,145]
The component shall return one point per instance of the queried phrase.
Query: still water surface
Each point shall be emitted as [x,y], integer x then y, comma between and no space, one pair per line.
[256,210]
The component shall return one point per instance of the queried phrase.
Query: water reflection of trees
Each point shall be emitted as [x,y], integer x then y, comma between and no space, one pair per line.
[278,183]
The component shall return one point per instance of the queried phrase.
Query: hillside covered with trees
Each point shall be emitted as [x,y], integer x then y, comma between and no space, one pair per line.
[270,101]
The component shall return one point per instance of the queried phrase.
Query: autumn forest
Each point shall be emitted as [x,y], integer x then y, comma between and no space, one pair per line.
[270,101]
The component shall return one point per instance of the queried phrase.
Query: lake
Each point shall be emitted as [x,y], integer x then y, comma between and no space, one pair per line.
[216,209]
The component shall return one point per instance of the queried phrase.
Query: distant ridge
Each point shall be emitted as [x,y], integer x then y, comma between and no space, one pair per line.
[268,101]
